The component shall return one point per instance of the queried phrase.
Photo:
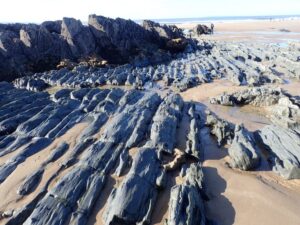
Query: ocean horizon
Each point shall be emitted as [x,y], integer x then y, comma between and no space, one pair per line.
[196,19]
[222,19]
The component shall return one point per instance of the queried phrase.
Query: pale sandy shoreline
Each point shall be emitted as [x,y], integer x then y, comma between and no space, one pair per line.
[253,25]
[265,30]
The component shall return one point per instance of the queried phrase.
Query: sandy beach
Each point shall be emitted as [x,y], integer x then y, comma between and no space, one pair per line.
[235,196]
[265,31]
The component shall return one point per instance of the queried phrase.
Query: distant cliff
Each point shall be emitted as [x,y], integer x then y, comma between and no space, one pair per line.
[26,48]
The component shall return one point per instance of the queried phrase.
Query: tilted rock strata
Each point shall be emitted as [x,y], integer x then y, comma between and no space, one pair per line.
[284,148]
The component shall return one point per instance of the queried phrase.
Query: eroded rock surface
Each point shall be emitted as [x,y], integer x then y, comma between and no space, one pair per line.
[243,151]
[129,152]
[186,204]
[283,146]
[36,48]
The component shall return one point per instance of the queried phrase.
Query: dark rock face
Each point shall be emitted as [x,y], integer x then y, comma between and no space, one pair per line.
[201,29]
[243,151]
[28,48]
[162,33]
[284,148]
[37,48]
[78,37]
[120,36]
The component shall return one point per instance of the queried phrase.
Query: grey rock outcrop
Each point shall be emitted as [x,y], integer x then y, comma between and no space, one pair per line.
[223,130]
[163,129]
[258,96]
[243,151]
[132,207]
[31,48]
[186,205]
[193,144]
[78,37]
[286,113]
[283,146]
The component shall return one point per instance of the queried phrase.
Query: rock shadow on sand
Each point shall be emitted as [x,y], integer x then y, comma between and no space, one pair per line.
[219,210]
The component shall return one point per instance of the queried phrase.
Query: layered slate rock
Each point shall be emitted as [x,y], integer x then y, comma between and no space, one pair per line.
[243,65]
[262,96]
[73,196]
[131,130]
[32,180]
[283,146]
[163,129]
[223,130]
[186,205]
[134,200]
[286,113]
[243,152]
[193,144]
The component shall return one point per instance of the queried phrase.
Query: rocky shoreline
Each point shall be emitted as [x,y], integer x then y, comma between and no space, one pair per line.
[131,122]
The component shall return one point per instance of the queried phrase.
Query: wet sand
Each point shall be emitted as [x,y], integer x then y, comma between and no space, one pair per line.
[252,117]
[8,189]
[247,198]
[237,197]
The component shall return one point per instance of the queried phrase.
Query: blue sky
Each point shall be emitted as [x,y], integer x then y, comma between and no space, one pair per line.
[41,10]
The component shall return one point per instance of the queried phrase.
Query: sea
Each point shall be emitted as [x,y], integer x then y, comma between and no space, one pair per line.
[223,19]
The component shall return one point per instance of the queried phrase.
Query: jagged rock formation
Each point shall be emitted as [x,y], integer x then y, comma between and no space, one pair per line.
[283,146]
[31,84]
[286,113]
[284,110]
[261,96]
[223,130]
[193,144]
[186,204]
[243,151]
[37,48]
